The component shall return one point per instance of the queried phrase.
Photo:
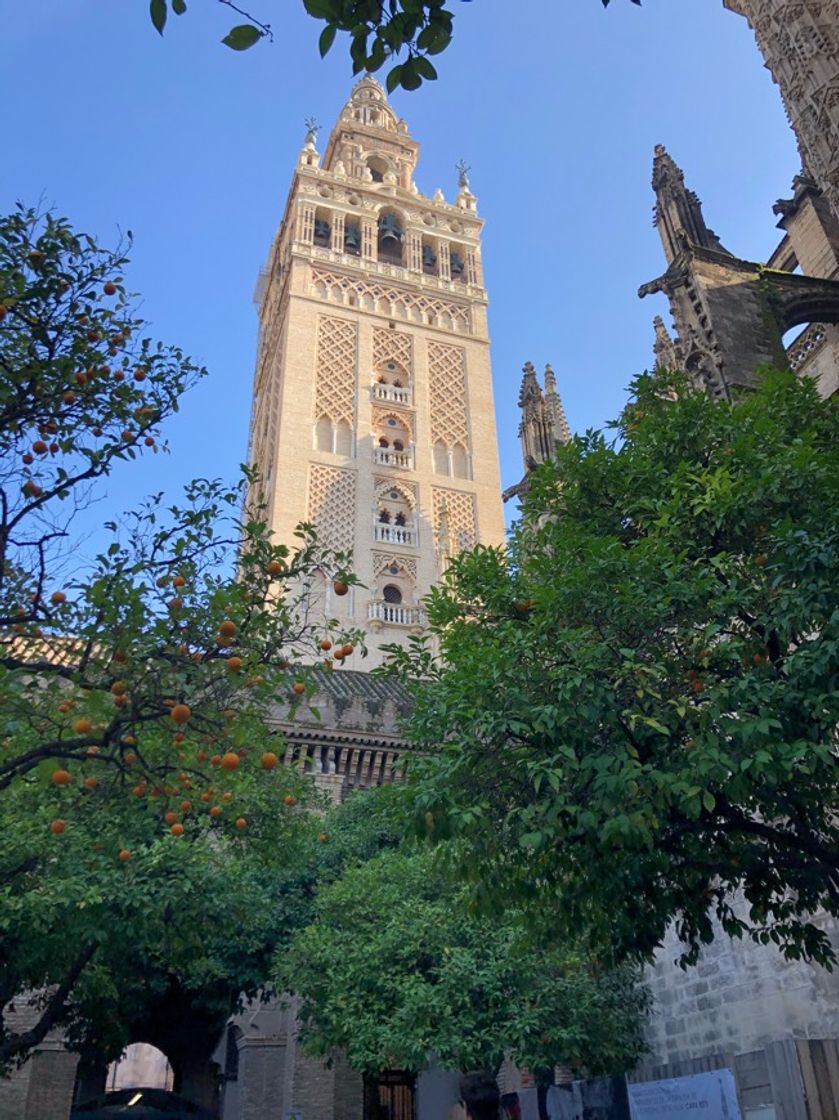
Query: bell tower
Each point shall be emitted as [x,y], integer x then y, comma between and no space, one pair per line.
[372,411]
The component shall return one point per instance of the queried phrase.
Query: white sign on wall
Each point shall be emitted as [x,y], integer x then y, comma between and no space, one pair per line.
[702,1096]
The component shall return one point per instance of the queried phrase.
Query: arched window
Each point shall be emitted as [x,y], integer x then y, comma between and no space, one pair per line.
[343,438]
[378,168]
[460,462]
[323,434]
[391,593]
[441,458]
[457,255]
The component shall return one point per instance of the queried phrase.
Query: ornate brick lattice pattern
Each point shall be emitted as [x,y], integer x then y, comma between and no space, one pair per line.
[800,41]
[357,291]
[332,505]
[335,379]
[460,510]
[391,346]
[383,560]
[447,392]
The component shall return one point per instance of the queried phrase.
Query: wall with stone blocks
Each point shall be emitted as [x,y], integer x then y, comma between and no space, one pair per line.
[737,998]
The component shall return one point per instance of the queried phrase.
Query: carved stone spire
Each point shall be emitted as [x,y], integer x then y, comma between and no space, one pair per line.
[543,424]
[554,409]
[664,347]
[678,211]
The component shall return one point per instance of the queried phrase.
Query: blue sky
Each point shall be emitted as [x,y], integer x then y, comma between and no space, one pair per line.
[556,104]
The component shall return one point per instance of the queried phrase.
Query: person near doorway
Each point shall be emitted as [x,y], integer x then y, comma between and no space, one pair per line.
[480,1096]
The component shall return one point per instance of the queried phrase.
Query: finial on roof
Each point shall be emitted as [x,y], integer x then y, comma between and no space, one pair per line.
[463,169]
[312,130]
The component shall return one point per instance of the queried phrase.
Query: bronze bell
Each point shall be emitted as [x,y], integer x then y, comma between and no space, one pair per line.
[389,228]
[352,237]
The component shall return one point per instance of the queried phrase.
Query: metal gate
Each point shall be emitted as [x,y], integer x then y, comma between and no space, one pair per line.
[390,1096]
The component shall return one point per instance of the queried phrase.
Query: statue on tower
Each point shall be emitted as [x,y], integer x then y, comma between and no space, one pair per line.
[312,130]
[463,169]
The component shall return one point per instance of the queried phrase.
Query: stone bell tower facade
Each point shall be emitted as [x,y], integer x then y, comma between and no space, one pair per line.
[373,414]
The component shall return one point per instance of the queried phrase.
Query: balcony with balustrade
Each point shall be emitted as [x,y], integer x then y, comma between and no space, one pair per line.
[381,613]
[403,535]
[401,457]
[392,394]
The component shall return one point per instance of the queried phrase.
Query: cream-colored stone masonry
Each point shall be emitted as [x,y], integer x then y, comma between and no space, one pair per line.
[373,413]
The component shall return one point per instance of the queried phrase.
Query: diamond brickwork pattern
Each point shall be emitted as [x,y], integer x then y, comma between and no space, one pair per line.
[357,291]
[336,363]
[391,346]
[447,392]
[460,513]
[332,505]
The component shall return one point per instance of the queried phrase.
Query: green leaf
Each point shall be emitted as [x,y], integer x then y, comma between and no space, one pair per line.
[327,38]
[179,7]
[320,9]
[709,801]
[158,13]
[393,78]
[242,37]
[425,68]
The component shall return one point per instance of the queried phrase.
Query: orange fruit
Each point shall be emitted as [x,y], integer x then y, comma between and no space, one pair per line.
[110,289]
[347,648]
[178,581]
[230,761]
[269,760]
[274,568]
[227,629]
[227,795]
[201,756]
[175,604]
[289,800]
[205,796]
[180,713]
[57,826]
[326,644]
[124,855]
[241,823]
[323,837]
[118,688]
[234,664]
[58,597]
[340,586]
[186,806]
[298,687]
[161,581]
[170,817]
[91,783]
[129,758]
[215,759]
[61,777]
[215,811]
[39,447]
[139,791]
[177,829]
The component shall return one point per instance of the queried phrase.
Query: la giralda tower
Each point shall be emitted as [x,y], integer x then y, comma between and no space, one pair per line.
[372,408]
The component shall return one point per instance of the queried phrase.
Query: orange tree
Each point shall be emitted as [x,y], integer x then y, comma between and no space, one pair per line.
[136,689]
[634,714]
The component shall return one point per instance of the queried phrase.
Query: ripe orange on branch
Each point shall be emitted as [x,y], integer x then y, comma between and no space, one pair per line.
[269,760]
[57,826]
[180,713]
[227,629]
[230,761]
[58,597]
[60,777]
[82,726]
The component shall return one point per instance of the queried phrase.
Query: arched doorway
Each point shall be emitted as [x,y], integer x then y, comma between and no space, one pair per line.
[141,1064]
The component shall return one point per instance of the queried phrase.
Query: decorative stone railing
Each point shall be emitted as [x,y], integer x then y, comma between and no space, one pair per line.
[392,393]
[387,457]
[395,534]
[395,614]
[808,343]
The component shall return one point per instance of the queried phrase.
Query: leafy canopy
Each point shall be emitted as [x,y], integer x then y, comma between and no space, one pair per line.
[636,711]
[396,968]
[138,686]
